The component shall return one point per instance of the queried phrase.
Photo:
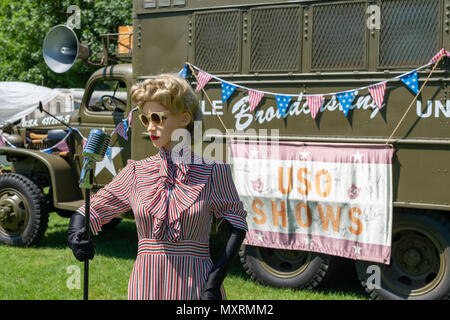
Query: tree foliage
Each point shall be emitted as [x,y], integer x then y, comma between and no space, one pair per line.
[24,24]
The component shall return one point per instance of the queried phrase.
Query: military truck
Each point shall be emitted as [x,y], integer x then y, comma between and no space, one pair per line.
[289,47]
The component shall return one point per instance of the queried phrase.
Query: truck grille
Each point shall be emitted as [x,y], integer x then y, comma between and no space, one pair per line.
[409,32]
[218,41]
[339,36]
[275,43]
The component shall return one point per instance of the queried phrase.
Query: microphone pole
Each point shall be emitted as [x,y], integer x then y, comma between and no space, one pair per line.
[95,150]
[87,211]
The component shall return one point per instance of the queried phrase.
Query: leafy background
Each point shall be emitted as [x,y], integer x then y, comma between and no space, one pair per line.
[24,24]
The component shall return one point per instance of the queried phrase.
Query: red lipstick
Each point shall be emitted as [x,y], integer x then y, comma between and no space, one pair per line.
[154,138]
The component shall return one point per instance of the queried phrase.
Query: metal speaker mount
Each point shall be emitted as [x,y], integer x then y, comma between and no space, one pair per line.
[61,49]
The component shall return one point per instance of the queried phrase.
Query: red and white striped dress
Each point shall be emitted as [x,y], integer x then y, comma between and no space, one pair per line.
[173,206]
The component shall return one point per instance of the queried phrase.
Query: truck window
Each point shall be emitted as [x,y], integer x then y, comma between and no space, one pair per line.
[108,96]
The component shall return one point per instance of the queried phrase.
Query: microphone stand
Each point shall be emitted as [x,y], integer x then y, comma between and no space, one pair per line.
[94,150]
[87,211]
[86,183]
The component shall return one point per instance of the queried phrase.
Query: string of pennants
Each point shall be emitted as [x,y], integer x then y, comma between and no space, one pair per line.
[121,129]
[377,91]
[345,98]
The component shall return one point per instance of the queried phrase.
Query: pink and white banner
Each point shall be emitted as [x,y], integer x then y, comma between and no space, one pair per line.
[329,198]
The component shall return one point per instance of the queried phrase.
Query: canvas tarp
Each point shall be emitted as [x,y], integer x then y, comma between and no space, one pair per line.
[17,99]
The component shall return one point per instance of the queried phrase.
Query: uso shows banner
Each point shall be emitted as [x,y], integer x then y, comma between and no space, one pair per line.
[329,198]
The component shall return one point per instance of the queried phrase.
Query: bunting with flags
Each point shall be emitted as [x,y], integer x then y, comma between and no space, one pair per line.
[227,90]
[122,129]
[254,98]
[185,72]
[441,53]
[203,79]
[2,141]
[377,93]
[283,103]
[62,146]
[314,103]
[346,99]
[411,80]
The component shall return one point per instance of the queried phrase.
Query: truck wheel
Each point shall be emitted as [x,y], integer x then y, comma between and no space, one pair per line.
[23,211]
[420,260]
[284,268]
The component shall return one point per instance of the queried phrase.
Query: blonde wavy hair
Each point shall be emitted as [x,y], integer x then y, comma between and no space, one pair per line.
[172,92]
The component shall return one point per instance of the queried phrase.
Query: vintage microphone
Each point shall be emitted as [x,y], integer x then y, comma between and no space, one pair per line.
[95,150]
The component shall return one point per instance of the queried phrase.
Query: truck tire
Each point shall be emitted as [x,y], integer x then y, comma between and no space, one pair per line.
[23,211]
[420,260]
[284,268]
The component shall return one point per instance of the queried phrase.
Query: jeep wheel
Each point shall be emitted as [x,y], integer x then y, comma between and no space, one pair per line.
[284,268]
[23,211]
[420,260]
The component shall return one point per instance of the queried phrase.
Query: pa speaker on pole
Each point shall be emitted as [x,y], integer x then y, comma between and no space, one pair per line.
[61,49]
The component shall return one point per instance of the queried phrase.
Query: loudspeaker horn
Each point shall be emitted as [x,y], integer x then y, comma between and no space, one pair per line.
[61,49]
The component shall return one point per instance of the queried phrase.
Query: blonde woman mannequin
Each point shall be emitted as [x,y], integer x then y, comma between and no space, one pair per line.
[173,195]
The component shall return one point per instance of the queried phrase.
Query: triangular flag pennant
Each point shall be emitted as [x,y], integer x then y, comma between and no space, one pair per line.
[441,53]
[2,141]
[254,98]
[122,129]
[203,79]
[185,72]
[346,99]
[377,93]
[227,91]
[283,103]
[314,103]
[62,146]
[411,81]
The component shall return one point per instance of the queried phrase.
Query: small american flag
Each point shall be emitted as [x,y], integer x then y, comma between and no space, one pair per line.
[314,103]
[254,98]
[377,93]
[203,79]
[441,53]
[62,146]
[122,128]
[2,141]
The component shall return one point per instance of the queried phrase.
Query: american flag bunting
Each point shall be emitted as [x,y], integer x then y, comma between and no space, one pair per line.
[441,53]
[203,79]
[377,92]
[283,103]
[122,129]
[2,141]
[314,103]
[411,80]
[346,99]
[227,90]
[62,146]
[254,98]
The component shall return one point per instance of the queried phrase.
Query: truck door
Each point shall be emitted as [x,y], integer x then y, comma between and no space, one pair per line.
[104,106]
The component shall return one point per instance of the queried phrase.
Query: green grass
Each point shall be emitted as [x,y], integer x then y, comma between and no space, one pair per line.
[40,273]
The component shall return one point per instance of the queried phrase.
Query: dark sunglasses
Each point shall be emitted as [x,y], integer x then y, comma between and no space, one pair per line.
[155,117]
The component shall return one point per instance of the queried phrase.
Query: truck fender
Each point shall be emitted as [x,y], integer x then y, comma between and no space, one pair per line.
[64,185]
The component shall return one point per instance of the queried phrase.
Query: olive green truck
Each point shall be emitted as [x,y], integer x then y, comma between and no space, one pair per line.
[287,47]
